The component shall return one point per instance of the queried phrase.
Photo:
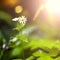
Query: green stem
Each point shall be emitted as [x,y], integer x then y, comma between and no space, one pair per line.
[2,52]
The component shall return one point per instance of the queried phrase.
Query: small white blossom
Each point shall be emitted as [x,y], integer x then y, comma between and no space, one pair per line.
[21,19]
[15,19]
[4,45]
[14,39]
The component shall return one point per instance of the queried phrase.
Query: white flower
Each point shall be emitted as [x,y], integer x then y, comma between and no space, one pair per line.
[4,45]
[14,39]
[21,19]
[15,19]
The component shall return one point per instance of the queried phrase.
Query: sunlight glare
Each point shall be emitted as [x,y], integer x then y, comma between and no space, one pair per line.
[53,6]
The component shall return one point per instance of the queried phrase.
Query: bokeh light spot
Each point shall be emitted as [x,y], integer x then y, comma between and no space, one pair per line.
[10,2]
[18,9]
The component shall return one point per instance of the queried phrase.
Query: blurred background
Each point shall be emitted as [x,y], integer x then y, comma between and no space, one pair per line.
[40,36]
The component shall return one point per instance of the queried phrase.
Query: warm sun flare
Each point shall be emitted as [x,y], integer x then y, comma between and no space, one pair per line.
[53,6]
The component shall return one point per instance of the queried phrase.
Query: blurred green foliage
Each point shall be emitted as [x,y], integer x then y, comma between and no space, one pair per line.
[23,43]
